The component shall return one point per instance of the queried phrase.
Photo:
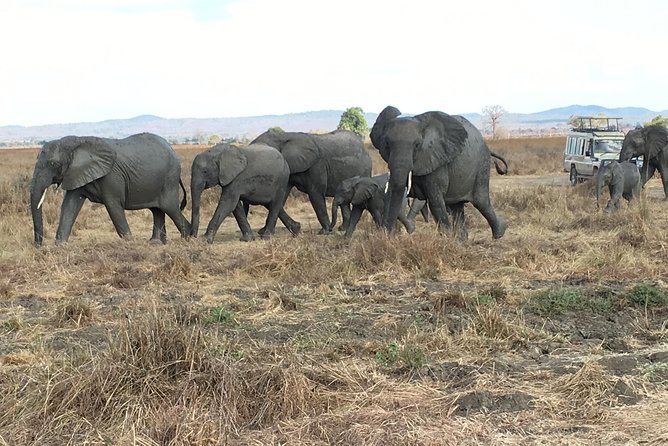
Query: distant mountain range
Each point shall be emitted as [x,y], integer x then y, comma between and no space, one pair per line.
[551,121]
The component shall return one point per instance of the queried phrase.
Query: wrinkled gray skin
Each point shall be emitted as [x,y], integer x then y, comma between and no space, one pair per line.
[652,143]
[449,161]
[365,193]
[318,165]
[255,174]
[138,172]
[622,179]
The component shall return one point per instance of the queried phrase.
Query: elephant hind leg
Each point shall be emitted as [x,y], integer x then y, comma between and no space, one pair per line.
[496,223]
[159,231]
[181,222]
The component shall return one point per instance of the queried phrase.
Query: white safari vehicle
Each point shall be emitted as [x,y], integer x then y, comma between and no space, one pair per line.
[594,139]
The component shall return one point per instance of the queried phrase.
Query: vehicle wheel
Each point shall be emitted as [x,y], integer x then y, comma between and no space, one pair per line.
[574,176]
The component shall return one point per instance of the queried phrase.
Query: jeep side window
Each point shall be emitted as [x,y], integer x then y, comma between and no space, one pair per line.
[588,152]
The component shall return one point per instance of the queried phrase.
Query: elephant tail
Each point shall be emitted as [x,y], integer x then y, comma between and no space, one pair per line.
[185,197]
[499,170]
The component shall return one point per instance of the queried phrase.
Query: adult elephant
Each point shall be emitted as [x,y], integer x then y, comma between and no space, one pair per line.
[138,172]
[448,161]
[652,143]
[318,164]
[254,174]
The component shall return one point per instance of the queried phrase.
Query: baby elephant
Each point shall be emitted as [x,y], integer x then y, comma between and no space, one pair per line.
[255,174]
[365,193]
[622,179]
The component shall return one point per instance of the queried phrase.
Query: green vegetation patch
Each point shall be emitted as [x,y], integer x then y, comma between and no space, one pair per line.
[557,301]
[648,294]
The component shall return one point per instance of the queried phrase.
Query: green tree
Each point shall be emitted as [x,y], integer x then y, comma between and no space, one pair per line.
[353,119]
[214,139]
[657,120]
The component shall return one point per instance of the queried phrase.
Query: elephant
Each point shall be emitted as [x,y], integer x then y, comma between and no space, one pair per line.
[652,143]
[253,174]
[448,161]
[365,193]
[138,172]
[318,164]
[622,179]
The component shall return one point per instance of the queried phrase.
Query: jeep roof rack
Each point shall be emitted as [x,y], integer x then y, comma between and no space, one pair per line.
[597,123]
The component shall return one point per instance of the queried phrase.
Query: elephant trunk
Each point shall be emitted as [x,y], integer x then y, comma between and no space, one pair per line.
[395,197]
[599,186]
[40,182]
[196,189]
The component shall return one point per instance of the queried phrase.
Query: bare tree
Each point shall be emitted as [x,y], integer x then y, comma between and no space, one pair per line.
[492,115]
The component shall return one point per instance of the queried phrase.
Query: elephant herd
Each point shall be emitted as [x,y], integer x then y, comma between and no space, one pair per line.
[623,178]
[438,159]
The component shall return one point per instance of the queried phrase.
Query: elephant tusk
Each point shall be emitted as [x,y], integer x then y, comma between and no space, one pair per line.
[41,200]
[410,181]
[387,185]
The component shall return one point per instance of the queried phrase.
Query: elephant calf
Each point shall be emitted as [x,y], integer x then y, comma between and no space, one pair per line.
[254,174]
[622,179]
[366,193]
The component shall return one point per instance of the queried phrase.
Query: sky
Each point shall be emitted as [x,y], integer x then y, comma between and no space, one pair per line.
[89,60]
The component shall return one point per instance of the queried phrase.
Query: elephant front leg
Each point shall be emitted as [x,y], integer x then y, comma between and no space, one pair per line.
[613,202]
[438,209]
[117,214]
[664,180]
[240,215]
[320,208]
[225,206]
[345,217]
[459,221]
[354,219]
[72,203]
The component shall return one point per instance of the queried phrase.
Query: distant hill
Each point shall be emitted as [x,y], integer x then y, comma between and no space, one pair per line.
[189,129]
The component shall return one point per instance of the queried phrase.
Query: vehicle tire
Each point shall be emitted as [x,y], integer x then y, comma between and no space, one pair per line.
[574,176]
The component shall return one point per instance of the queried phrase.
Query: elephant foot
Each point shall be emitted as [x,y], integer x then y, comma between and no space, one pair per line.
[266,235]
[262,230]
[248,237]
[410,226]
[157,241]
[296,228]
[324,231]
[501,229]
[208,238]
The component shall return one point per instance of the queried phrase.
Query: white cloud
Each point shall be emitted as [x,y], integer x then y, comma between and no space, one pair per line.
[91,60]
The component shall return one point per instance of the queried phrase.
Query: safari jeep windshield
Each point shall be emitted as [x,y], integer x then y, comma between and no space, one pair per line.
[607,146]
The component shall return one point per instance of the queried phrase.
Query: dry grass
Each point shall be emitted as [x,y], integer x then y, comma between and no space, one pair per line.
[378,340]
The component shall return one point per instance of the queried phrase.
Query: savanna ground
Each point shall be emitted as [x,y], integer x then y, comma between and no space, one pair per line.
[555,334]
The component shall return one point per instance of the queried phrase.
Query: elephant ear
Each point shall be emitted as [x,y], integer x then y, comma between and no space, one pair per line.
[443,139]
[656,139]
[364,190]
[232,162]
[379,128]
[300,151]
[92,158]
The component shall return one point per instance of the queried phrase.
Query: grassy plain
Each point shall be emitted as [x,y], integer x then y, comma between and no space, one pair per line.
[555,334]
